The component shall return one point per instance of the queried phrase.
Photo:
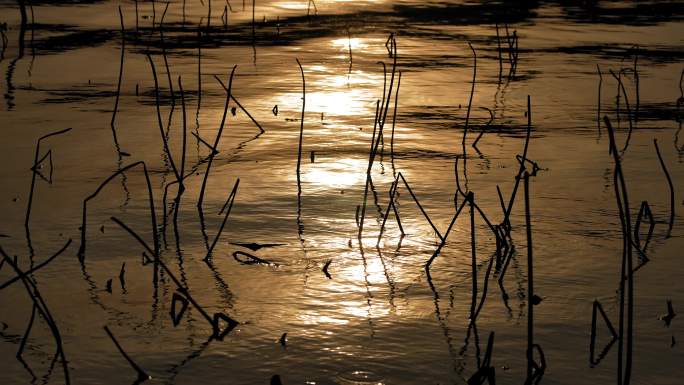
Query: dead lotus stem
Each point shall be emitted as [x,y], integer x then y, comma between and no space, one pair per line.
[301,127]
[217,140]
[644,211]
[470,100]
[598,112]
[229,206]
[153,216]
[204,142]
[368,171]
[166,61]
[519,175]
[391,204]
[36,267]
[217,333]
[621,86]
[121,66]
[394,116]
[446,233]
[181,185]
[142,376]
[233,98]
[41,306]
[34,168]
[479,136]
[378,124]
[473,256]
[671,187]
[597,309]
[625,337]
[531,373]
[159,120]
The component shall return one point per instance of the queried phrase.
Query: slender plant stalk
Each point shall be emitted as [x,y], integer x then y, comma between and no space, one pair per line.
[218,139]
[669,183]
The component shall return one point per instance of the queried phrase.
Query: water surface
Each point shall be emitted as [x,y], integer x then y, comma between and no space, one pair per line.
[378,316]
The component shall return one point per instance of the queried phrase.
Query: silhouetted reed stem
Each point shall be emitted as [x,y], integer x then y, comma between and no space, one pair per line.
[183,289]
[142,376]
[624,365]
[159,120]
[217,140]
[473,257]
[301,128]
[136,17]
[34,168]
[199,72]
[41,306]
[153,216]
[378,125]
[368,171]
[644,211]
[498,43]
[121,66]
[479,136]
[208,15]
[446,233]
[392,205]
[237,102]
[29,326]
[229,206]
[204,142]
[351,59]
[36,267]
[671,187]
[470,103]
[621,86]
[636,84]
[181,185]
[598,112]
[596,310]
[166,61]
[521,169]
[530,279]
[394,116]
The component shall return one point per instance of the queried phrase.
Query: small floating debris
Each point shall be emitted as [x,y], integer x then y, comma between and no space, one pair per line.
[251,259]
[670,314]
[122,274]
[256,246]
[325,269]
[176,313]
[536,300]
[223,325]
[275,110]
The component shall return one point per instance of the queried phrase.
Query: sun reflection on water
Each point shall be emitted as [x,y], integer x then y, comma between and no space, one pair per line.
[344,43]
[342,173]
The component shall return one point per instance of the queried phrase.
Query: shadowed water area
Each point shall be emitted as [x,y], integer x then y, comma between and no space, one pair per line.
[287,227]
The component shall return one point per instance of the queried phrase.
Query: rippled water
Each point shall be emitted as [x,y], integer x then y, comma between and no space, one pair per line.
[378,318]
